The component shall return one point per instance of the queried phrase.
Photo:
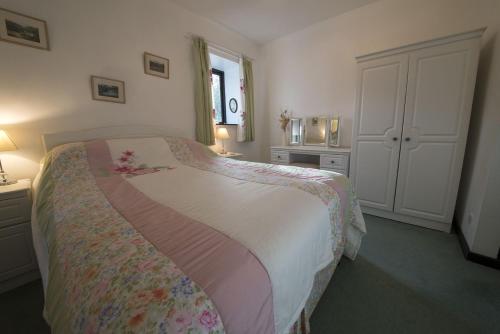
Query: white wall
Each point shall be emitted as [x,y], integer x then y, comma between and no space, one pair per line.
[487,236]
[313,71]
[478,210]
[49,91]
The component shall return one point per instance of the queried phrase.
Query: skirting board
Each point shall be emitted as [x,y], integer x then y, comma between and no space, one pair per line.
[474,257]
[444,227]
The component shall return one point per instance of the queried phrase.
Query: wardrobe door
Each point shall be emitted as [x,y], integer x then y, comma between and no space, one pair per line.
[438,103]
[377,129]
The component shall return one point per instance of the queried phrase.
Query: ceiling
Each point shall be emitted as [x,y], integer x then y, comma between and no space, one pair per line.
[265,20]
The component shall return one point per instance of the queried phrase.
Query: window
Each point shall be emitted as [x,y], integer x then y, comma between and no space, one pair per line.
[219,96]
[226,94]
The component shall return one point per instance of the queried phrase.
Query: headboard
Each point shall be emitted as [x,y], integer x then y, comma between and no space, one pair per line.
[51,140]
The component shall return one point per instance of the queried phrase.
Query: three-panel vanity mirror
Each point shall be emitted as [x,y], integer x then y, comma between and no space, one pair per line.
[317,130]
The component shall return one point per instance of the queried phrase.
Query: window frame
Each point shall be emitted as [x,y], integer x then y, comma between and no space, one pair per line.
[222,87]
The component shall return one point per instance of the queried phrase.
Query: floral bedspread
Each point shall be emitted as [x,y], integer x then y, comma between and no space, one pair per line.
[109,278]
[334,189]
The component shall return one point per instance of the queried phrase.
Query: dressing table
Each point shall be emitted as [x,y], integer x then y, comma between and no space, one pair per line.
[314,143]
[334,159]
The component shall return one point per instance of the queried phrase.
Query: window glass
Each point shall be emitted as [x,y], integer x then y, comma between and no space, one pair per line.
[217,97]
[226,92]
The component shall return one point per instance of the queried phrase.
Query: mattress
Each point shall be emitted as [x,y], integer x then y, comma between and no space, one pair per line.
[289,223]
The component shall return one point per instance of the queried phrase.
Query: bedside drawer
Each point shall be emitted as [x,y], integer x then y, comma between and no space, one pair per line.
[14,211]
[17,251]
[23,193]
[280,157]
[333,161]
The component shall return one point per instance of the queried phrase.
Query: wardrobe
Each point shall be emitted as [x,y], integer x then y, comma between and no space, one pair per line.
[413,106]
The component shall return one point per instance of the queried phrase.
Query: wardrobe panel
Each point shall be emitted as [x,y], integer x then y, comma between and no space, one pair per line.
[439,90]
[372,189]
[377,130]
[436,118]
[379,99]
[425,185]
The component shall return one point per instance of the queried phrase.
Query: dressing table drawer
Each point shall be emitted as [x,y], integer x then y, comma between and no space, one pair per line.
[280,157]
[328,161]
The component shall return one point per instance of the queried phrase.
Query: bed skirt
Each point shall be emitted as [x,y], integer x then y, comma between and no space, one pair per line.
[321,281]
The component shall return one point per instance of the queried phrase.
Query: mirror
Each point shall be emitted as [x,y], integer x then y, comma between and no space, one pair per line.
[295,131]
[315,131]
[334,135]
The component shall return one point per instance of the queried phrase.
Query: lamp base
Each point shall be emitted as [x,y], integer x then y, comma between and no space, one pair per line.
[7,182]
[4,181]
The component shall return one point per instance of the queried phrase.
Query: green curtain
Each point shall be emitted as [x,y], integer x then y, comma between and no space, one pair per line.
[249,104]
[203,93]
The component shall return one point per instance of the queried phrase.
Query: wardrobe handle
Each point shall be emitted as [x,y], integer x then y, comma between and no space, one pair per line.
[407,139]
[395,138]
[333,161]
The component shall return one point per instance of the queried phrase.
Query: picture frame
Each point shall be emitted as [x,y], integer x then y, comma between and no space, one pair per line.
[108,90]
[156,65]
[24,30]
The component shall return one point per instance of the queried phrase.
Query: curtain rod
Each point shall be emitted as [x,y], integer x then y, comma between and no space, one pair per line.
[218,46]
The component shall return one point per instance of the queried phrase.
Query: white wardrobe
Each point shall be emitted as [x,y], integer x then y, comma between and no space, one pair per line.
[410,128]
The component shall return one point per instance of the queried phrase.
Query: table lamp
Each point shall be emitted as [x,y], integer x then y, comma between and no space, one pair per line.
[222,134]
[6,144]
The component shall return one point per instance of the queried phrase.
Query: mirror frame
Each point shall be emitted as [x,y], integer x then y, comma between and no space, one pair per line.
[330,143]
[300,120]
[304,138]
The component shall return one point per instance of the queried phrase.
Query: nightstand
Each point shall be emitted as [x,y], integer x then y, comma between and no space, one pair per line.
[18,263]
[231,155]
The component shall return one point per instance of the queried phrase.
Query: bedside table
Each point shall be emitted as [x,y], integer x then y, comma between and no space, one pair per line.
[18,263]
[231,155]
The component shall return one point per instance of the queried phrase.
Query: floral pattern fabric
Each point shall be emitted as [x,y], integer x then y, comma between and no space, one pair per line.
[126,165]
[333,189]
[105,277]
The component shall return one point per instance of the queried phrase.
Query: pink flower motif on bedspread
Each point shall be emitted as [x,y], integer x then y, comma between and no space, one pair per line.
[127,166]
[208,319]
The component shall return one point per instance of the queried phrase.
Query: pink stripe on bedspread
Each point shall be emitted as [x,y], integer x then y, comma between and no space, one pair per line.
[233,278]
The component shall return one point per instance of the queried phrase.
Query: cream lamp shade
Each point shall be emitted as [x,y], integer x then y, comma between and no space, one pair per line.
[6,144]
[222,133]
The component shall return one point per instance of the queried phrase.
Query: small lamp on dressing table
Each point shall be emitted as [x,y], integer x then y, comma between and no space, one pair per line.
[6,144]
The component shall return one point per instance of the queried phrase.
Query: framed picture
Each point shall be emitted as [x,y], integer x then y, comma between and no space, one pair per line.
[156,65]
[22,29]
[109,90]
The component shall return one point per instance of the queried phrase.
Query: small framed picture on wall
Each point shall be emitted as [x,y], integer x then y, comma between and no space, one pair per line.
[156,65]
[22,29]
[109,90]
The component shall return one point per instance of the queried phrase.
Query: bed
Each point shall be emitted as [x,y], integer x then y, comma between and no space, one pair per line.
[136,231]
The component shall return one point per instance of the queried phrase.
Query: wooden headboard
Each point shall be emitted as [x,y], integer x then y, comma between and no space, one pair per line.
[51,140]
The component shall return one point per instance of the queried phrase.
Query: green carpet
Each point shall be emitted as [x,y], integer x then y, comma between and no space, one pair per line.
[406,279]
